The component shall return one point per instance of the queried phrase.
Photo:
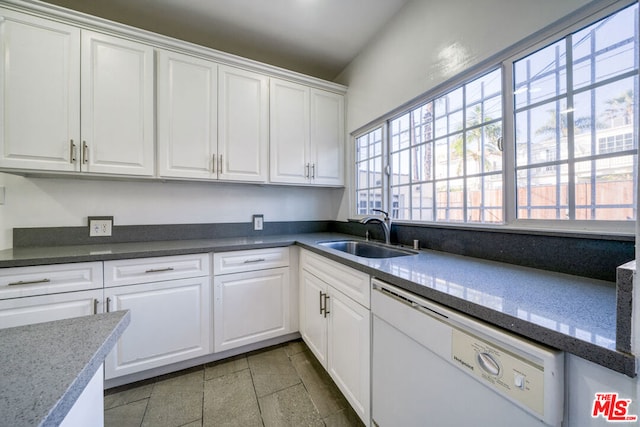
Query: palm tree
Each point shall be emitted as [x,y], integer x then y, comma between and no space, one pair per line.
[486,136]
[621,106]
[552,126]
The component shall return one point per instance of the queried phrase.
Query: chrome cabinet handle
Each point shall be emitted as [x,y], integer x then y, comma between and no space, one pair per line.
[85,152]
[108,303]
[159,270]
[72,152]
[326,297]
[321,308]
[95,306]
[306,170]
[249,261]
[29,282]
[213,164]
[313,171]
[220,165]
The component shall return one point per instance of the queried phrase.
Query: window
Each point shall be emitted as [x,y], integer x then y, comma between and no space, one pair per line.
[572,115]
[575,115]
[446,163]
[369,172]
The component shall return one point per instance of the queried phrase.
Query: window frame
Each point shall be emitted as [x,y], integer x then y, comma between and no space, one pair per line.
[504,60]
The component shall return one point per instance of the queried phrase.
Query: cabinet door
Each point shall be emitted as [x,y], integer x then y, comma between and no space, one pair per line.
[349,350]
[250,307]
[117,106]
[289,130]
[40,93]
[327,138]
[170,322]
[243,125]
[313,324]
[46,308]
[187,116]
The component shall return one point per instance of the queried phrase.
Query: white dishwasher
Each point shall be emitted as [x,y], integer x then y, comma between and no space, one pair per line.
[432,366]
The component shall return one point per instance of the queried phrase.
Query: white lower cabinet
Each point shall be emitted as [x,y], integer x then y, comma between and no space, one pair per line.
[336,328]
[170,319]
[253,303]
[169,323]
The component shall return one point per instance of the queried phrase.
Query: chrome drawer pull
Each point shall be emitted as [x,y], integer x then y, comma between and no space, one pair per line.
[249,261]
[29,282]
[159,270]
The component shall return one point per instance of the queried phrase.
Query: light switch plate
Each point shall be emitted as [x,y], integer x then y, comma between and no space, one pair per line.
[258,222]
[100,226]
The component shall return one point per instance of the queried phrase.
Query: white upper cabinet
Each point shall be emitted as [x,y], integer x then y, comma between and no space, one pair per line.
[327,137]
[289,129]
[76,100]
[307,135]
[243,125]
[117,106]
[39,92]
[187,116]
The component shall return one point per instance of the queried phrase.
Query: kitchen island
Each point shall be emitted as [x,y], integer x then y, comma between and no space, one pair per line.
[46,367]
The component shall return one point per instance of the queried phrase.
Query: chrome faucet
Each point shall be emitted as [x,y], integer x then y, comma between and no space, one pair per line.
[385,222]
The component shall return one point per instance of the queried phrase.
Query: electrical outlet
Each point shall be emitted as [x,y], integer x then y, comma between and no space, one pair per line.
[100,226]
[258,222]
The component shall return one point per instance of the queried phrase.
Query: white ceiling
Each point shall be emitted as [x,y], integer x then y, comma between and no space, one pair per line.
[315,37]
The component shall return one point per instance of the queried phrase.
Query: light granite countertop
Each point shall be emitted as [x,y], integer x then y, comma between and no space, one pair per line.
[46,366]
[570,313]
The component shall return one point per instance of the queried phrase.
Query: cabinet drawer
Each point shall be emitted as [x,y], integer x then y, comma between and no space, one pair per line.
[46,308]
[251,260]
[352,283]
[146,270]
[49,279]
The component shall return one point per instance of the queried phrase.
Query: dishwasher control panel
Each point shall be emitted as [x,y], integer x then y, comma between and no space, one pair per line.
[520,380]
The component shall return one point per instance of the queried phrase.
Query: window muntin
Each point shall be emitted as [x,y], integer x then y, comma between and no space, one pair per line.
[569,97]
[444,156]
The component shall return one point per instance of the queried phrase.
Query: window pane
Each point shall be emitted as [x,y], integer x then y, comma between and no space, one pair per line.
[484,199]
[581,129]
[605,49]
[422,202]
[422,118]
[542,193]
[605,189]
[400,167]
[450,200]
[541,75]
[368,178]
[401,207]
[541,133]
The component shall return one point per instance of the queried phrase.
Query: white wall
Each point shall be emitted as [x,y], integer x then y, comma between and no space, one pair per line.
[47,202]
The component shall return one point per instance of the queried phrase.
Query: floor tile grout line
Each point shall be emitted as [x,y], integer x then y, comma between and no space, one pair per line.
[255,393]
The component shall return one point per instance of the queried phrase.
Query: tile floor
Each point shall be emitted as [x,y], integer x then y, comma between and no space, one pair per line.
[282,385]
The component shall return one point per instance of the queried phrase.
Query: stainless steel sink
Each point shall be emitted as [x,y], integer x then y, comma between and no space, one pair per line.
[367,249]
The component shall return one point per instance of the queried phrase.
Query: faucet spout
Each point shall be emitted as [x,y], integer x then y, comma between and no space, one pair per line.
[385,222]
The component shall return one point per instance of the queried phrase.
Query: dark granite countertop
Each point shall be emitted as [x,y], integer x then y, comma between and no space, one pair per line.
[46,366]
[570,313]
